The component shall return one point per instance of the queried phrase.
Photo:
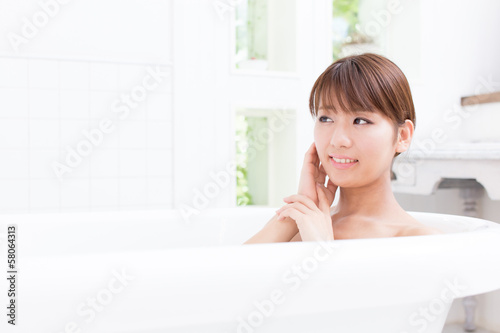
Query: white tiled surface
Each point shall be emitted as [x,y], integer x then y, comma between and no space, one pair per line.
[74,104]
[14,103]
[14,73]
[43,103]
[48,107]
[75,193]
[14,134]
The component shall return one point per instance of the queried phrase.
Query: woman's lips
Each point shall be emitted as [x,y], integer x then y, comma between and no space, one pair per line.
[342,165]
[342,157]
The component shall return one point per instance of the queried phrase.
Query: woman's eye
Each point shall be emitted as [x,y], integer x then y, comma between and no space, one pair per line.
[366,121]
[324,119]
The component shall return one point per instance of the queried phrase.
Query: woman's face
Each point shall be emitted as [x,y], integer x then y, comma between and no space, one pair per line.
[367,137]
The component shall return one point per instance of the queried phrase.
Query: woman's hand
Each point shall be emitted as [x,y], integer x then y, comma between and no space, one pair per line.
[314,222]
[312,173]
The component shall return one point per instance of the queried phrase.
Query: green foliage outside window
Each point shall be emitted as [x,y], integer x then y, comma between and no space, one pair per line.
[243,196]
[346,25]
[251,30]
[345,14]
[348,10]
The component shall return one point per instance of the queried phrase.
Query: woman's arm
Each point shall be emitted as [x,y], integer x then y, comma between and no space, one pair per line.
[312,173]
[275,231]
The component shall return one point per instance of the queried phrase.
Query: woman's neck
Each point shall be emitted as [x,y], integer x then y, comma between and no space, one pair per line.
[373,200]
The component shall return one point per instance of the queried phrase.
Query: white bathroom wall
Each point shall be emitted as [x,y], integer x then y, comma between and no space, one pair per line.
[445,48]
[448,50]
[67,67]
[204,150]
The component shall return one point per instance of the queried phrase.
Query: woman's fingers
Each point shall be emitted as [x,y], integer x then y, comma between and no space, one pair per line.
[295,205]
[331,186]
[293,210]
[324,205]
[321,175]
[330,190]
[293,214]
[303,199]
[312,155]
[314,225]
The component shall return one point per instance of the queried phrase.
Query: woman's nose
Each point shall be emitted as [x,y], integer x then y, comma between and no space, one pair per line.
[340,137]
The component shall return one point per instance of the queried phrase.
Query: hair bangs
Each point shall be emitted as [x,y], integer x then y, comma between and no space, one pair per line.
[342,88]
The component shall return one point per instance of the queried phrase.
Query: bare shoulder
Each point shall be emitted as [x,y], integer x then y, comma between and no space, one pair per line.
[421,230]
[412,227]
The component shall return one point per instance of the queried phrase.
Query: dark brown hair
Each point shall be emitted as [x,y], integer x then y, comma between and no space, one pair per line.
[365,82]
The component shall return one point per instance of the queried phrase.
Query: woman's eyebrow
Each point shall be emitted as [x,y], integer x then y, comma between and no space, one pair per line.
[363,111]
[324,110]
[328,109]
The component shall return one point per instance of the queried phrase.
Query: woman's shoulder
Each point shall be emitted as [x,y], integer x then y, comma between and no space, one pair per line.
[409,226]
[400,226]
[418,230]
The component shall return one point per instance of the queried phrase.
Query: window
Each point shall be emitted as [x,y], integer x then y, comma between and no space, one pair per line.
[264,173]
[260,46]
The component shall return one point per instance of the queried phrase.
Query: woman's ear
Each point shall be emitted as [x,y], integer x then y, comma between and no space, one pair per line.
[405,134]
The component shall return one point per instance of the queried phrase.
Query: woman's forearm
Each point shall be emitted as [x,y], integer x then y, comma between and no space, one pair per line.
[275,231]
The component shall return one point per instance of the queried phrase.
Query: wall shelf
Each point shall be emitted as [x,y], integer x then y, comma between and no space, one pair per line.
[481,99]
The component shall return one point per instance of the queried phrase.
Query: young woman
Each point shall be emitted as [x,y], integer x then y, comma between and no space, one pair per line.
[364,117]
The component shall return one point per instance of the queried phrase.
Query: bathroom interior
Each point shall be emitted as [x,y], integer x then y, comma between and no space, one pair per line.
[150,108]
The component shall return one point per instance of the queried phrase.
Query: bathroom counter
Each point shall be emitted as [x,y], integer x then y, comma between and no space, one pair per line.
[421,171]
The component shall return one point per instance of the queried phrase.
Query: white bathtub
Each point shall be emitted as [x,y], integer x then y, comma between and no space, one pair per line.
[152,272]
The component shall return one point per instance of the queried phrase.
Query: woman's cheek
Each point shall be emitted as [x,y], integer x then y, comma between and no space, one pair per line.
[377,146]
[317,134]
[319,141]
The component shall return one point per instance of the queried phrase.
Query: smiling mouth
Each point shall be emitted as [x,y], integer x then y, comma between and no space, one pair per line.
[343,160]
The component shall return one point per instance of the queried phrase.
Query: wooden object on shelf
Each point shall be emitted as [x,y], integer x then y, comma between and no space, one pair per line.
[480,99]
